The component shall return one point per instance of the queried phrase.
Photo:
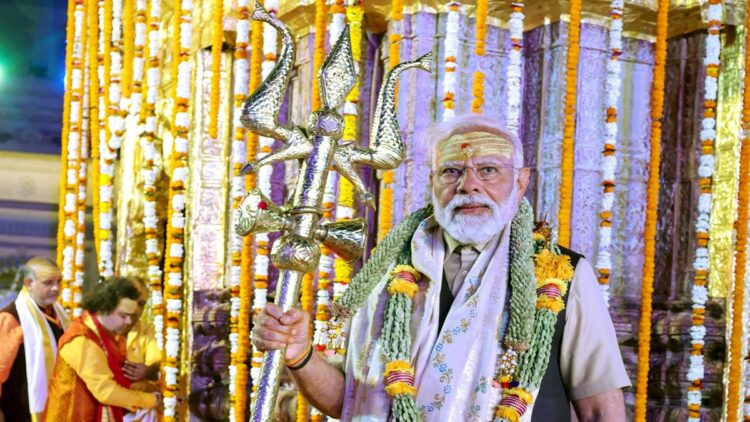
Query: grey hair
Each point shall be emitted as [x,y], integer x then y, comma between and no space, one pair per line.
[29,269]
[466,123]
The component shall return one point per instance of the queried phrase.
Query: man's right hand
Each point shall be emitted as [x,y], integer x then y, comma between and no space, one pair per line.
[275,329]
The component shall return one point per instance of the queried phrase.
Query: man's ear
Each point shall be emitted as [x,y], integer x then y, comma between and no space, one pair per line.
[523,181]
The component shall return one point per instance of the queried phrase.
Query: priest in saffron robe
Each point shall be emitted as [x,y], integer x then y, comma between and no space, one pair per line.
[89,383]
[472,314]
[30,328]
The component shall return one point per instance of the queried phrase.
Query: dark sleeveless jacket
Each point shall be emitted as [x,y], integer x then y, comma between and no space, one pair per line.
[14,401]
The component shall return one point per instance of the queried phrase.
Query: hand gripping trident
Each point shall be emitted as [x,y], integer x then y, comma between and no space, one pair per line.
[317,147]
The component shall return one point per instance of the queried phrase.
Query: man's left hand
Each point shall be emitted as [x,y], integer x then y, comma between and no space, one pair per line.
[135,371]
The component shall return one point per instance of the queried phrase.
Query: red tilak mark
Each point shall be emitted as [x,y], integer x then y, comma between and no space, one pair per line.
[262,205]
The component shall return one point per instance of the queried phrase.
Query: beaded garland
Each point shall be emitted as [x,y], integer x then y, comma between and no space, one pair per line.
[515,25]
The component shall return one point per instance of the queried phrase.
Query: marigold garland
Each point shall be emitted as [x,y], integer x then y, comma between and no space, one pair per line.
[613,88]
[569,130]
[150,219]
[217,33]
[319,48]
[306,304]
[246,279]
[76,287]
[133,84]
[71,154]
[513,74]
[128,45]
[95,63]
[175,248]
[705,171]
[238,341]
[450,79]
[738,340]
[652,207]
[477,88]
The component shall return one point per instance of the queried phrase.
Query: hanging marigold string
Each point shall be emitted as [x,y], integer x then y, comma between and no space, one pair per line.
[319,49]
[238,365]
[217,33]
[306,304]
[134,94]
[95,63]
[76,288]
[450,79]
[477,88]
[513,114]
[705,172]
[613,87]
[652,207]
[150,219]
[128,46]
[73,157]
[569,130]
[175,247]
[246,284]
[69,32]
[385,209]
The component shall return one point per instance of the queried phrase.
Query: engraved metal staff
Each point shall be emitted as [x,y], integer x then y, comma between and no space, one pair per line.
[317,147]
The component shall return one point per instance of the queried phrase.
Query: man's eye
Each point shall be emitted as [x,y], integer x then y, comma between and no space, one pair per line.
[488,170]
[451,171]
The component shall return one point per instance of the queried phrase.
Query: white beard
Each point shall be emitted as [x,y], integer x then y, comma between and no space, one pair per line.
[475,229]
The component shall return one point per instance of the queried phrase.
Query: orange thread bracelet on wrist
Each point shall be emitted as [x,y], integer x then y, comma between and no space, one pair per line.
[301,361]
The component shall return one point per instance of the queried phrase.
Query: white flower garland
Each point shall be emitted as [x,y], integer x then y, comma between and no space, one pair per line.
[150,219]
[131,107]
[613,87]
[237,191]
[77,287]
[173,284]
[513,75]
[705,172]
[107,151]
[73,161]
[450,79]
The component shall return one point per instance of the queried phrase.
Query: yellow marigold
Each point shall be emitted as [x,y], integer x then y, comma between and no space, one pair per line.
[549,265]
[399,285]
[553,304]
[507,412]
[521,393]
[400,388]
[398,365]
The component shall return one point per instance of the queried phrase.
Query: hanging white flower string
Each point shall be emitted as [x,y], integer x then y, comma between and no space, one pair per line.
[513,75]
[613,88]
[450,78]
[699,292]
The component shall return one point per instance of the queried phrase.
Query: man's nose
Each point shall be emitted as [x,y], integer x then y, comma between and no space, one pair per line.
[469,182]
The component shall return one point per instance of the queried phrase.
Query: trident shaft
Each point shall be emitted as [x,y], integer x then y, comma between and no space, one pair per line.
[317,146]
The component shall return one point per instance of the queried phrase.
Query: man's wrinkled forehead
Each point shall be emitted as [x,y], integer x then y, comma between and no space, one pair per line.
[463,146]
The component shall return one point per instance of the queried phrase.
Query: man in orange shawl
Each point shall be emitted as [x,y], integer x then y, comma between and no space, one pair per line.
[88,383]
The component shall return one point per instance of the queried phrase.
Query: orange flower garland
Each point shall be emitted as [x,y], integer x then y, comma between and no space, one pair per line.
[150,219]
[218,38]
[238,365]
[246,278]
[652,207]
[306,304]
[735,355]
[72,155]
[569,130]
[175,247]
[477,88]
[319,49]
[128,46]
[95,63]
[385,209]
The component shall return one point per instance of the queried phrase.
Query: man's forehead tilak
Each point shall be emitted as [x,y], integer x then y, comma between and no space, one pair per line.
[461,147]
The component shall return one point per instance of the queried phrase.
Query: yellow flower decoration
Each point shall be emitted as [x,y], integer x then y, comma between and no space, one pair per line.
[550,265]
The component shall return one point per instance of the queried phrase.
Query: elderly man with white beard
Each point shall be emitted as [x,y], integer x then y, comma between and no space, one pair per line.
[479,318]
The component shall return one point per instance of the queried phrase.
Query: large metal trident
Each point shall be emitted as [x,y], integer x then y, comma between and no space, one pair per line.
[317,147]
